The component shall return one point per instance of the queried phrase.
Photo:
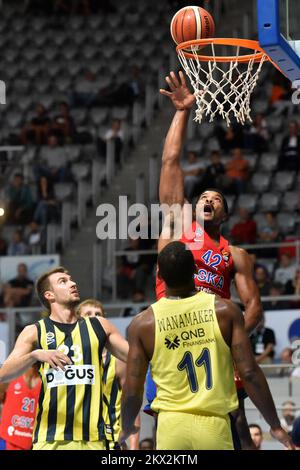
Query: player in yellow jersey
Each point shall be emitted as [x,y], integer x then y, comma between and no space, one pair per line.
[69,351]
[190,339]
[114,372]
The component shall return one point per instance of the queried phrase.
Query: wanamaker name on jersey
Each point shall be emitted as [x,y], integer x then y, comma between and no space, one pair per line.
[187,319]
[72,375]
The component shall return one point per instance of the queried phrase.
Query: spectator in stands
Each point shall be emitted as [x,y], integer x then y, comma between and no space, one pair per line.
[292,287]
[256,435]
[281,92]
[116,134]
[18,291]
[285,358]
[192,171]
[276,290]
[63,124]
[263,342]
[20,203]
[286,270]
[34,238]
[47,206]
[268,232]
[230,138]
[147,444]
[289,158]
[244,231]
[262,280]
[295,434]
[54,162]
[237,171]
[132,272]
[214,173]
[268,229]
[86,90]
[136,83]
[288,415]
[36,131]
[17,246]
[258,136]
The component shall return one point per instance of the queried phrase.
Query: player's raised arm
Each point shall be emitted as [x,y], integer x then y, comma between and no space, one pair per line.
[253,378]
[171,190]
[247,287]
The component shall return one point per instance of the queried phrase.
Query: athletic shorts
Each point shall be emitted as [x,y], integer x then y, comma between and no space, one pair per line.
[185,431]
[70,445]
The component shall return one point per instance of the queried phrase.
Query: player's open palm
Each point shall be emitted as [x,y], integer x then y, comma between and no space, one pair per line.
[180,94]
[55,358]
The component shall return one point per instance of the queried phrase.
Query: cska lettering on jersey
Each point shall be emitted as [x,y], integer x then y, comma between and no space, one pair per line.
[72,375]
[214,279]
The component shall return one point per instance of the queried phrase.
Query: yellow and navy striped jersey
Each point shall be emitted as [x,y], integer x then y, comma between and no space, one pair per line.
[111,399]
[191,363]
[69,407]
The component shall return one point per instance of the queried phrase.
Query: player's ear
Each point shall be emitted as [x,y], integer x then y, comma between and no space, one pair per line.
[49,295]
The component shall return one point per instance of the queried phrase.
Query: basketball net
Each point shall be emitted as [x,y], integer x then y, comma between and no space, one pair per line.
[222,85]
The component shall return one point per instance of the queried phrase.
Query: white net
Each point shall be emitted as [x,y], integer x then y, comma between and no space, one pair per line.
[222,89]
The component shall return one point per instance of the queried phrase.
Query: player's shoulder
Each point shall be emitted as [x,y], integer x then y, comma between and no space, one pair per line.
[227,308]
[241,258]
[30,331]
[143,320]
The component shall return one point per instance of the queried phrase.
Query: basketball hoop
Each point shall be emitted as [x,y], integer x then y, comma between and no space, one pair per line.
[223,90]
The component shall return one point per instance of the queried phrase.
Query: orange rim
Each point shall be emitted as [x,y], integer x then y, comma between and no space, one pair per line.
[245,43]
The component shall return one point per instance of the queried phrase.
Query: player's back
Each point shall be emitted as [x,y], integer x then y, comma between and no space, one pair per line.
[214,264]
[191,363]
[18,414]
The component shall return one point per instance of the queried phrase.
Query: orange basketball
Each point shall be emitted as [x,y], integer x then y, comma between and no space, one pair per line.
[191,23]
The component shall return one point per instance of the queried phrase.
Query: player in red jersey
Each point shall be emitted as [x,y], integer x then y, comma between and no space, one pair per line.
[217,262]
[18,414]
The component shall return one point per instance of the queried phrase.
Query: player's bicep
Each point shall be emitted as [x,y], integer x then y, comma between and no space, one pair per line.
[137,363]
[241,347]
[25,342]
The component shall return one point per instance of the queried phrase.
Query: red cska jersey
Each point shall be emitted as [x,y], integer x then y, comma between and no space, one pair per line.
[18,414]
[214,263]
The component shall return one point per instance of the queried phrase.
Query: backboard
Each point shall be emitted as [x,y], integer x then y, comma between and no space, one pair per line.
[279,34]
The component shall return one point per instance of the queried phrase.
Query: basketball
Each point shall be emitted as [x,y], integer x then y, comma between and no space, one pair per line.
[191,23]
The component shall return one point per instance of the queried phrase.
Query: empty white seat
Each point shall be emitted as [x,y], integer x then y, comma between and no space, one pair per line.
[286,222]
[268,161]
[269,202]
[195,145]
[120,112]
[284,180]
[72,152]
[261,182]
[63,190]
[98,115]
[80,170]
[205,130]
[247,201]
[13,119]
[291,201]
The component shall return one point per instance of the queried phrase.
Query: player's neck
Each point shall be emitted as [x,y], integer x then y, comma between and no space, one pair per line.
[181,292]
[63,314]
[213,232]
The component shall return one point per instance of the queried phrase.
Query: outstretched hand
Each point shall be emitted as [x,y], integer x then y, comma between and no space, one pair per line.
[180,94]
